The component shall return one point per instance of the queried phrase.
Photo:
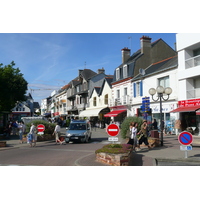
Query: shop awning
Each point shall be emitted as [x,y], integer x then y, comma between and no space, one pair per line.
[114,113]
[90,112]
[186,109]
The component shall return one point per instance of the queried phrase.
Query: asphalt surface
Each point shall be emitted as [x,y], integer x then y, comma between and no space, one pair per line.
[167,155]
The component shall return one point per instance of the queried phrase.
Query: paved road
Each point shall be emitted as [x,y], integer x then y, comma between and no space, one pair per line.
[50,154]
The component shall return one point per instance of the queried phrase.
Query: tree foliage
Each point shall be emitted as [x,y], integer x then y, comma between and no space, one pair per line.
[126,123]
[12,86]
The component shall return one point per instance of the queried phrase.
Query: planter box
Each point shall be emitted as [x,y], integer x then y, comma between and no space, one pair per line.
[2,144]
[113,159]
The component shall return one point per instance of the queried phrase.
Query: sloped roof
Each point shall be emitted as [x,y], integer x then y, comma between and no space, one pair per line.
[160,66]
[87,74]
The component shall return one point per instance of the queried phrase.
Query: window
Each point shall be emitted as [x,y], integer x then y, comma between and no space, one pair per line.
[106,99]
[94,101]
[125,71]
[118,93]
[163,81]
[117,74]
[125,91]
[138,89]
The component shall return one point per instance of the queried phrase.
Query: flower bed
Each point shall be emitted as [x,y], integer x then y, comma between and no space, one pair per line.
[114,154]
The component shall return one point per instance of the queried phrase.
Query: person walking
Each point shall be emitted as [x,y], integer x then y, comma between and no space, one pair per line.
[133,139]
[57,133]
[143,135]
[20,127]
[32,136]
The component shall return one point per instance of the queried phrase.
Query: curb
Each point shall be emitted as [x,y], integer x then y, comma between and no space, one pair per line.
[177,162]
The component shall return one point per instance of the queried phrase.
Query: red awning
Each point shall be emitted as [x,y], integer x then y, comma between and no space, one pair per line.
[114,113]
[186,109]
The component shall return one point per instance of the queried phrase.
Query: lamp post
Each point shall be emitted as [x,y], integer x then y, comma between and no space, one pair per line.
[160,93]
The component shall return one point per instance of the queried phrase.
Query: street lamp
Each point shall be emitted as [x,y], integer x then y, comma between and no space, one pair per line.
[160,92]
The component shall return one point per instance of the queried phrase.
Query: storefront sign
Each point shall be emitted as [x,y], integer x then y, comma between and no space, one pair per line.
[165,108]
[190,102]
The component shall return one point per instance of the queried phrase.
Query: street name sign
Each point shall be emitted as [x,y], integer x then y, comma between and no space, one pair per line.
[112,130]
[185,138]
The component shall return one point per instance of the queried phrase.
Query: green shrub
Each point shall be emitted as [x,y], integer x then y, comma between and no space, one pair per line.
[49,127]
[115,148]
[126,123]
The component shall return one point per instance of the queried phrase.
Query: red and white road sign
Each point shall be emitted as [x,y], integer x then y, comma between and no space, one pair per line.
[112,130]
[40,128]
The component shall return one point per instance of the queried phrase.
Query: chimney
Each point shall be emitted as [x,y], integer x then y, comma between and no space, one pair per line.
[125,54]
[145,42]
[101,71]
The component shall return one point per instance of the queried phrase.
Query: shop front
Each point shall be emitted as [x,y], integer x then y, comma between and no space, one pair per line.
[168,117]
[189,115]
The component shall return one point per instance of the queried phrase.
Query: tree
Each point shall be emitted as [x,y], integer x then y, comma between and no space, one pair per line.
[13,86]
[126,123]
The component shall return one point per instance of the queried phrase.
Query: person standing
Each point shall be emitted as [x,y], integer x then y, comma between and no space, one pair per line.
[133,138]
[155,125]
[143,134]
[57,133]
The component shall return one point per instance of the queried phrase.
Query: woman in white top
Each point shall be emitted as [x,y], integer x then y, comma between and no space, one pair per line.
[57,132]
[32,135]
[134,134]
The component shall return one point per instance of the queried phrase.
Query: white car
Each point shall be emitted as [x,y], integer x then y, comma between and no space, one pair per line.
[78,130]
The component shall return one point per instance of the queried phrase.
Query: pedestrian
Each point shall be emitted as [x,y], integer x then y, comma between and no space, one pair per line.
[130,133]
[32,136]
[133,138]
[20,127]
[155,124]
[143,135]
[57,133]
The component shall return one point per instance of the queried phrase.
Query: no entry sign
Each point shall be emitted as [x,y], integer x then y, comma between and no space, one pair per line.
[185,138]
[113,130]
[40,128]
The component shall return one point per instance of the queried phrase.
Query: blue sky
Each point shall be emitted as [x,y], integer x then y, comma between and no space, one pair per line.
[51,60]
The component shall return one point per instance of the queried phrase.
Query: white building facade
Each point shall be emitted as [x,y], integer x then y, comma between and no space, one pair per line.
[188,47]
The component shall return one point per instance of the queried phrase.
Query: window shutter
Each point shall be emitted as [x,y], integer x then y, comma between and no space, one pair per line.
[141,88]
[134,89]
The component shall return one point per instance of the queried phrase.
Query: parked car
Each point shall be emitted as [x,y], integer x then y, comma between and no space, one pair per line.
[78,130]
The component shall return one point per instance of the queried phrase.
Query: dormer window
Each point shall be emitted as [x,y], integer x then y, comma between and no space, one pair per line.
[117,74]
[125,71]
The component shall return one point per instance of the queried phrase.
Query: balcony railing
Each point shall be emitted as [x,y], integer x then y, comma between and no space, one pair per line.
[193,93]
[192,62]
[125,100]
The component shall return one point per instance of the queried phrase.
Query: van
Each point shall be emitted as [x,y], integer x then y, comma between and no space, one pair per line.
[78,130]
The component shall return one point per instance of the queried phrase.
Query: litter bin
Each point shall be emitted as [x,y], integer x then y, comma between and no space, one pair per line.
[154,134]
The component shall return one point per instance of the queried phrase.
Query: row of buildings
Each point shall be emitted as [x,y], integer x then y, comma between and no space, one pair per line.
[101,97]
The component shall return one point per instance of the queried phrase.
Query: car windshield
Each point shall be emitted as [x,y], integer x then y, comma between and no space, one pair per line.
[77,126]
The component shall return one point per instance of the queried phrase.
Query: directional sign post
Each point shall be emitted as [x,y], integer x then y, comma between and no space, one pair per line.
[185,138]
[41,128]
[113,130]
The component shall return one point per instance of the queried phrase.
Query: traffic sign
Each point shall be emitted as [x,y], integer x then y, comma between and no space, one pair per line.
[40,128]
[185,138]
[113,139]
[185,148]
[112,130]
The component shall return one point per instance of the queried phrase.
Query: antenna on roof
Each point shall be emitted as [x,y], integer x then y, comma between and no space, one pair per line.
[130,38]
[85,65]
